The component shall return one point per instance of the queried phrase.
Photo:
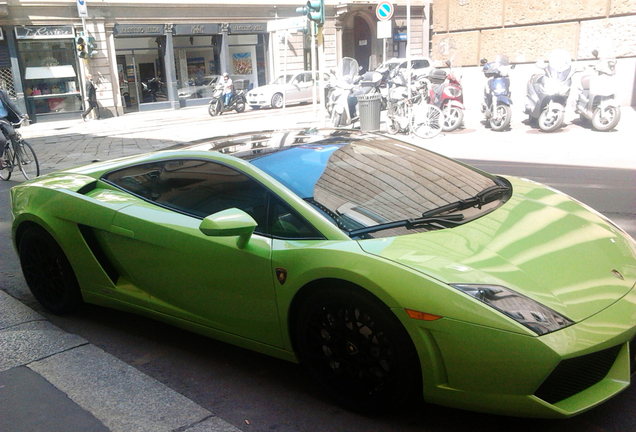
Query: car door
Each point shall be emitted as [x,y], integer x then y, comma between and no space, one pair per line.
[295,89]
[187,274]
[305,82]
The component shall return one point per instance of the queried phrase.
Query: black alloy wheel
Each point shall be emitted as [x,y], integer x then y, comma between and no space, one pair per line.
[48,272]
[356,349]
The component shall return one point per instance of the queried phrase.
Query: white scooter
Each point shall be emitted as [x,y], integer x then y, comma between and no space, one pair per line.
[595,101]
[548,91]
[341,105]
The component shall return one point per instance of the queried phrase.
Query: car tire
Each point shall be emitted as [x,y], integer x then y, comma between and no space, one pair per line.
[48,272]
[277,100]
[356,349]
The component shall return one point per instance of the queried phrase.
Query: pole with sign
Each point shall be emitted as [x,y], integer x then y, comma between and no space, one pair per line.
[82,10]
[384,13]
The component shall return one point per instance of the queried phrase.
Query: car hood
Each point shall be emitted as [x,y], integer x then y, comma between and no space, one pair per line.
[541,243]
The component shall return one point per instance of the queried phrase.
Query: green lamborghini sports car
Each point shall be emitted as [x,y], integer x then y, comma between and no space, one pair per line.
[389,272]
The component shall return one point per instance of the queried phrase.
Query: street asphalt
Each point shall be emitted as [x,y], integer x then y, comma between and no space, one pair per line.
[51,380]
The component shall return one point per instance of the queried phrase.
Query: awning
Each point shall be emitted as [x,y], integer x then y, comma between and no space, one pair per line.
[48,72]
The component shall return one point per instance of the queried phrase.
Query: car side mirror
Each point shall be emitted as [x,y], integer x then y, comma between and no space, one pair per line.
[229,223]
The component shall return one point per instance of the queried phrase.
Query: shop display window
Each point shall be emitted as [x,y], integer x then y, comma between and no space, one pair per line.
[50,76]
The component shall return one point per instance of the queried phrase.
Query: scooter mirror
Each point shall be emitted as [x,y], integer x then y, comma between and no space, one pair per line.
[448,63]
[541,64]
[483,61]
[595,53]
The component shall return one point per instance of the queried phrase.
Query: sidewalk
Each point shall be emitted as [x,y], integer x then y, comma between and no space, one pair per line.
[54,381]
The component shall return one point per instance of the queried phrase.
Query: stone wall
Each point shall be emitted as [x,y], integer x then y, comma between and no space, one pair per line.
[526,30]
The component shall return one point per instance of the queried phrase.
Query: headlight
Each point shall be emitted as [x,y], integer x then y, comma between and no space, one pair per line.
[538,318]
[454,92]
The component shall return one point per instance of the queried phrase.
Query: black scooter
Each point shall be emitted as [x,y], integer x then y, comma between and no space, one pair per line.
[497,103]
[237,101]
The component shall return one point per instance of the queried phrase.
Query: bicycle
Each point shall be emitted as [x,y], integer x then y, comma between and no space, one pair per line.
[18,153]
[415,114]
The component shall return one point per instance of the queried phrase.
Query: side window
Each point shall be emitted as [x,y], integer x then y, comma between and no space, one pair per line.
[420,64]
[196,187]
[200,188]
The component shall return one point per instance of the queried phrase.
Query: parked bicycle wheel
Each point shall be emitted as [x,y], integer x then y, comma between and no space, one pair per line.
[27,160]
[426,121]
[7,162]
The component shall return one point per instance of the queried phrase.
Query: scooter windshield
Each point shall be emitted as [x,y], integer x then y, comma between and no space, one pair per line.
[502,60]
[559,65]
[349,69]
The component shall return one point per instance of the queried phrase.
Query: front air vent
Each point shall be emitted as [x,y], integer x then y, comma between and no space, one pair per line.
[574,375]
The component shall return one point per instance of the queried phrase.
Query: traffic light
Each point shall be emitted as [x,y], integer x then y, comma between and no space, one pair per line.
[315,11]
[80,43]
[91,47]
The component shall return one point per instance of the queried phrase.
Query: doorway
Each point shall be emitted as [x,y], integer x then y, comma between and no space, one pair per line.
[363,40]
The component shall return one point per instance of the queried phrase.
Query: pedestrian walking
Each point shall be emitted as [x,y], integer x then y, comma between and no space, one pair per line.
[91,98]
[9,113]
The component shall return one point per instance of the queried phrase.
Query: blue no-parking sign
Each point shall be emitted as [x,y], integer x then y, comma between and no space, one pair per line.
[384,11]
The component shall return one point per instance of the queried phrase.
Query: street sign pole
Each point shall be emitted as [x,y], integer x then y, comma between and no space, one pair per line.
[384,12]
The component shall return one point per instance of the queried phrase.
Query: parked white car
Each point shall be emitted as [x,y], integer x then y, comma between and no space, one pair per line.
[296,86]
[419,66]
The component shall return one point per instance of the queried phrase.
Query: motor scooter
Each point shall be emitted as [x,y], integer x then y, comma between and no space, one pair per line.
[497,103]
[447,95]
[345,89]
[595,101]
[548,91]
[237,101]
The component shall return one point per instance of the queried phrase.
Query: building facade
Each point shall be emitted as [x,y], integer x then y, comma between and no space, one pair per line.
[146,52]
[467,31]
[141,53]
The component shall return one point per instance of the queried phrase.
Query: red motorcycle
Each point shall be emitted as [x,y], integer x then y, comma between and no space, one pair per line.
[446,94]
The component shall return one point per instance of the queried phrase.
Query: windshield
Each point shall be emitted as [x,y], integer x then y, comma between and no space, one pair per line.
[559,64]
[283,79]
[348,69]
[376,182]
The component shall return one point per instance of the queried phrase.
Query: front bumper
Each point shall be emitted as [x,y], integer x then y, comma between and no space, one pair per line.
[557,375]
[257,101]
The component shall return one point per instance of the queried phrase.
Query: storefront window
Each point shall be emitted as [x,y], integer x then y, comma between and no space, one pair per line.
[197,65]
[50,75]
[141,71]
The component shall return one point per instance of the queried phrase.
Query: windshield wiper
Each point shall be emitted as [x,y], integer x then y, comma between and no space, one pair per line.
[441,221]
[484,197]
